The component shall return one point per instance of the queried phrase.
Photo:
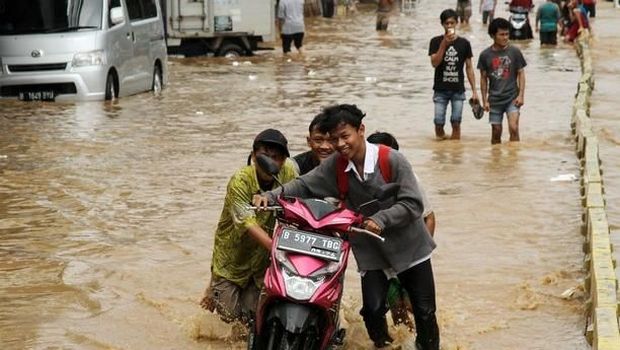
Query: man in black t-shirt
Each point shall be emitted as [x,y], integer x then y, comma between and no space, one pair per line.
[449,54]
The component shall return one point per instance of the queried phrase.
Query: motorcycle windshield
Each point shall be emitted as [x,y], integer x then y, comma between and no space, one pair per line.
[318,207]
[317,213]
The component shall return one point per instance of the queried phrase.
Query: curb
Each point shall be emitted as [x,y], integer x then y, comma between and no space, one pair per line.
[601,284]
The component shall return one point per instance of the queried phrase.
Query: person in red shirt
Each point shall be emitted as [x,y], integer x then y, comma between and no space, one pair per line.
[590,7]
[521,3]
[579,21]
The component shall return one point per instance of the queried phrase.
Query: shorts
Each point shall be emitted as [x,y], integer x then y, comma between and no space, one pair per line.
[590,10]
[383,19]
[287,39]
[549,38]
[487,16]
[232,302]
[441,98]
[496,115]
[463,9]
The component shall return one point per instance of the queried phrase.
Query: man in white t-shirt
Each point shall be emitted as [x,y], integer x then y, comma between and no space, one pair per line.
[291,23]
[487,9]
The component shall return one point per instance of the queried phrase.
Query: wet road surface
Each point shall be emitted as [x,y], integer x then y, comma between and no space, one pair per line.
[107,209]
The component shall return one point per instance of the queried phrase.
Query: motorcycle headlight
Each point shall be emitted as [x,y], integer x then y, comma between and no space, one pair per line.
[92,58]
[328,269]
[283,260]
[300,288]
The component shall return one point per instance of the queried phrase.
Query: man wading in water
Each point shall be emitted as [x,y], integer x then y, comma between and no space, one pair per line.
[449,54]
[502,81]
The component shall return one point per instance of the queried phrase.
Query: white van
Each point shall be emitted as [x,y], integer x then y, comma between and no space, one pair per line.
[80,49]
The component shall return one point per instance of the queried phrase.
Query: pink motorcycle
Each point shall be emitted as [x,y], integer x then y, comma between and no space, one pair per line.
[300,302]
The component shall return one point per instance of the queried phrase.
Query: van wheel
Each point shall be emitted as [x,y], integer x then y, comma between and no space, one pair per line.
[158,82]
[231,50]
[110,87]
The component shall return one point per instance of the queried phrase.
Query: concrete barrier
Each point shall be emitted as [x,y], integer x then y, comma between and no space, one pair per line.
[603,330]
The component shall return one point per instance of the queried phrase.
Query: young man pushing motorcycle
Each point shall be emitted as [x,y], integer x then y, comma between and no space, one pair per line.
[408,246]
[320,148]
[242,238]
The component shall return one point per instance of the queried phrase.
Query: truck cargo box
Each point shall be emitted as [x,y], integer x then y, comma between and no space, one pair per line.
[221,27]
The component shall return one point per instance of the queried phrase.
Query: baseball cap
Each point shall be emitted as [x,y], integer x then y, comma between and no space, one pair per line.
[272,137]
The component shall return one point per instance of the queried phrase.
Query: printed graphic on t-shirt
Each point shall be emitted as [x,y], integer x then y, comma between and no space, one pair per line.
[450,68]
[449,74]
[500,67]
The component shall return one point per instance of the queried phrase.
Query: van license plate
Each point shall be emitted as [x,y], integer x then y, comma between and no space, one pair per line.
[308,243]
[37,96]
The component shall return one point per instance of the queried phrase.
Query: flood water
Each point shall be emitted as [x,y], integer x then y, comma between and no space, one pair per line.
[107,210]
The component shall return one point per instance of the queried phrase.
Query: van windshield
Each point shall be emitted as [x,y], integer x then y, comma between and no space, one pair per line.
[49,16]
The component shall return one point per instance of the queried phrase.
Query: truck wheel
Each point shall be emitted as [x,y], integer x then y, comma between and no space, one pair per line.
[158,82]
[110,87]
[231,50]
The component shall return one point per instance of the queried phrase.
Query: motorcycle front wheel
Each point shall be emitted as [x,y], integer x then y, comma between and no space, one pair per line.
[271,338]
[276,338]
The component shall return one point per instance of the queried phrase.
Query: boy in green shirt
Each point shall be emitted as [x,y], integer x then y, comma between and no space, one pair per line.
[243,236]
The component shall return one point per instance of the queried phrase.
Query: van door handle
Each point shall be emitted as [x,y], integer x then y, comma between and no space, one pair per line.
[130,36]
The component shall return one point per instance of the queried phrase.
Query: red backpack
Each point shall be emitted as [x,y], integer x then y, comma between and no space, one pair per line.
[343,177]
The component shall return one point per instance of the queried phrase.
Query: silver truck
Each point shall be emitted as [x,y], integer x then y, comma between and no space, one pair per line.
[218,27]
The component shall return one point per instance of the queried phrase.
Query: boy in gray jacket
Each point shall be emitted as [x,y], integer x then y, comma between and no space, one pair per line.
[408,245]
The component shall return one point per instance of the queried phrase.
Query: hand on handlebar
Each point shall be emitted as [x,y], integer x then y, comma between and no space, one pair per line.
[372,226]
[260,201]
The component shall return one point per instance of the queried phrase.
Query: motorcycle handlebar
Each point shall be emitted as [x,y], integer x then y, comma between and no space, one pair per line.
[367,232]
[267,208]
[351,229]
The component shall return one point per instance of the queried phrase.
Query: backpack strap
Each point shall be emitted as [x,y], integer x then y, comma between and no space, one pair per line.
[343,178]
[384,163]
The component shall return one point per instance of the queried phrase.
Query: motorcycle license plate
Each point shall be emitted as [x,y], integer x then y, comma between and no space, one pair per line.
[308,243]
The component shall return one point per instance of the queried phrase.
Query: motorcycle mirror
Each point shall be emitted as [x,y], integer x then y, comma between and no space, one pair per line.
[370,208]
[384,192]
[387,191]
[269,166]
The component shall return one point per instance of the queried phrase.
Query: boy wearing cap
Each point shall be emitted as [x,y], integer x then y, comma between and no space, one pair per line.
[243,236]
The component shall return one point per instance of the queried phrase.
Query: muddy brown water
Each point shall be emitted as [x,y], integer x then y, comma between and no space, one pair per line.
[107,209]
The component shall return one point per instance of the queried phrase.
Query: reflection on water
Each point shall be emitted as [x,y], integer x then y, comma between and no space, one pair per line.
[107,209]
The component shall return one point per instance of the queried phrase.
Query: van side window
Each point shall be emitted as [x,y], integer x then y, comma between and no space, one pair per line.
[141,9]
[149,8]
[134,10]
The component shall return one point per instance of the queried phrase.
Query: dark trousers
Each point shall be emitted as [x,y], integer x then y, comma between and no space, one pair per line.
[419,283]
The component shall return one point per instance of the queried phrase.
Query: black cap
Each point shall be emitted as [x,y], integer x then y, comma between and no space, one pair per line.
[273,137]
